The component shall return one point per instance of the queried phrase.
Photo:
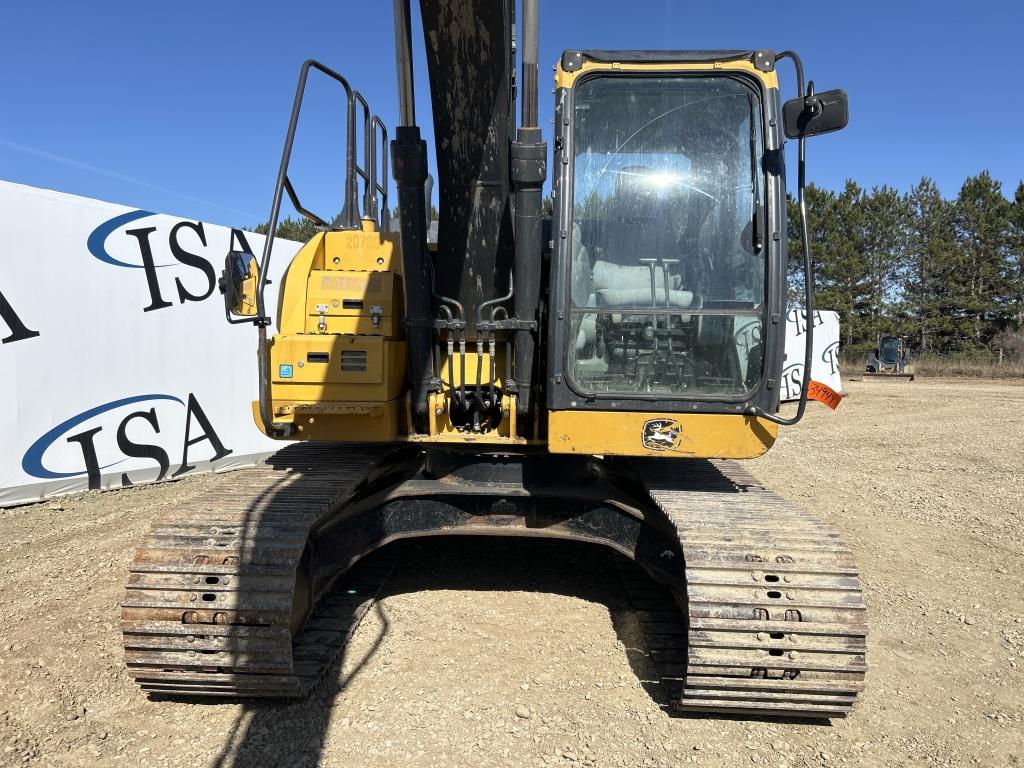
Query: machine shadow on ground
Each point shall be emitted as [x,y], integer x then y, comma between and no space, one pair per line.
[294,733]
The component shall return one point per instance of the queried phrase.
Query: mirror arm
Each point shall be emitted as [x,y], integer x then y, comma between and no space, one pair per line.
[237,320]
[808,262]
[797,64]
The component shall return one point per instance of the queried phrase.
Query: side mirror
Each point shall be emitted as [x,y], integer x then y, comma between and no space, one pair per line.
[238,284]
[816,113]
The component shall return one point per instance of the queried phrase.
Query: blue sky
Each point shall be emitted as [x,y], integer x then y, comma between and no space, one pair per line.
[182,107]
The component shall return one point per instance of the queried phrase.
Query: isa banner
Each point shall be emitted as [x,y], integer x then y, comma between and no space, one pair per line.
[116,364]
[824,357]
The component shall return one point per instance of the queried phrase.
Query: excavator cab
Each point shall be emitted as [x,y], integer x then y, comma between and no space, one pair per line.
[670,256]
[666,186]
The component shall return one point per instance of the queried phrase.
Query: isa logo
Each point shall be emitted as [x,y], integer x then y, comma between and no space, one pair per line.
[798,319]
[174,261]
[830,357]
[792,381]
[18,330]
[160,428]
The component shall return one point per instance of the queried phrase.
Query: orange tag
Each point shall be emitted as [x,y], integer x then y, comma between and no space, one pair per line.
[823,393]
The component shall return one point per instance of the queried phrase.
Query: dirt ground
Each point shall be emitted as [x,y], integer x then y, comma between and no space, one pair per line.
[487,653]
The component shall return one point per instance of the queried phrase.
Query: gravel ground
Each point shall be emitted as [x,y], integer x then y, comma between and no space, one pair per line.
[519,653]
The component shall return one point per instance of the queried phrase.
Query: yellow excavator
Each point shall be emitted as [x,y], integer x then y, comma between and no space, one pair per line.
[590,376]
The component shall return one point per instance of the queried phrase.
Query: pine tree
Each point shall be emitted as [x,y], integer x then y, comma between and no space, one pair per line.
[820,210]
[1015,262]
[843,277]
[886,221]
[979,285]
[950,274]
[931,254]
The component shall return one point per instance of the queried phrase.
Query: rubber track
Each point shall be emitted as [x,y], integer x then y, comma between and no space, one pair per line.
[773,619]
[210,591]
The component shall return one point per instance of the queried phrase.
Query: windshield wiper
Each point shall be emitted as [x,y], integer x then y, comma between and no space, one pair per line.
[755,229]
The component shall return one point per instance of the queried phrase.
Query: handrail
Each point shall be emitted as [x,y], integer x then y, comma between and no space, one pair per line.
[383,212]
[283,182]
[350,214]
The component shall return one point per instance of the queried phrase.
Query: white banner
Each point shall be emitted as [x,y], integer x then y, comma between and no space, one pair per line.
[824,358]
[117,364]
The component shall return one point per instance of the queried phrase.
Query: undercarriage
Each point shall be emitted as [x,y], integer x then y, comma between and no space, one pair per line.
[749,605]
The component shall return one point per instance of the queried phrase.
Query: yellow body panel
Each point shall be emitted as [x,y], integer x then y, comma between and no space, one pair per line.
[337,367]
[355,302]
[349,422]
[679,435]
[356,368]
[291,315]
[363,251]
[565,79]
[352,252]
[453,378]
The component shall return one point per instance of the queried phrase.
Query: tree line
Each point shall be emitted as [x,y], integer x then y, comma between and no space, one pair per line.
[946,274]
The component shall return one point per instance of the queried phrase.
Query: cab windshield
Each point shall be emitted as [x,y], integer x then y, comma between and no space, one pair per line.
[667,271]
[890,350]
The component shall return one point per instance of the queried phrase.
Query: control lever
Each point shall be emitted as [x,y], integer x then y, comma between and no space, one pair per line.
[654,290]
[667,280]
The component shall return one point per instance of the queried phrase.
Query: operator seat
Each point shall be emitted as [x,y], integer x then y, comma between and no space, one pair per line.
[640,225]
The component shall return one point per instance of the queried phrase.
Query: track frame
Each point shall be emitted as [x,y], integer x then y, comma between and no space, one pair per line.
[254,588]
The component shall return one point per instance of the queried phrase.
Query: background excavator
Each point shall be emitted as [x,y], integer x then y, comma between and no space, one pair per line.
[580,379]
